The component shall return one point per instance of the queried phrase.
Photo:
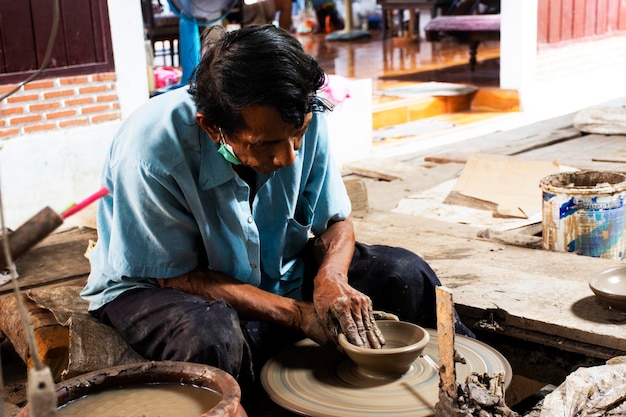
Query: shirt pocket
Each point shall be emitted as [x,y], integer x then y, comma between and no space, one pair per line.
[296,238]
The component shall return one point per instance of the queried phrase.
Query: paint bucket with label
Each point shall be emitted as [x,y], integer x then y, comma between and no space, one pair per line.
[583,212]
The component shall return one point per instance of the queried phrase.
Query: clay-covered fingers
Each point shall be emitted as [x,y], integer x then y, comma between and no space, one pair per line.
[371,335]
[343,314]
[367,329]
[375,336]
[362,329]
[359,326]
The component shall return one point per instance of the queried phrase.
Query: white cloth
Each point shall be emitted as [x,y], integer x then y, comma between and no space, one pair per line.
[589,392]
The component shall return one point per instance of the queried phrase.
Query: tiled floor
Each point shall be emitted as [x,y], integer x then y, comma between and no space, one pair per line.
[391,58]
[384,60]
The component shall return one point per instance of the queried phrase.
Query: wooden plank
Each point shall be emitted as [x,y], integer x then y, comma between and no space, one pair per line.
[586,152]
[18,41]
[508,146]
[382,169]
[602,16]
[543,21]
[590,18]
[448,157]
[619,156]
[567,19]
[554,29]
[42,26]
[554,140]
[621,22]
[445,337]
[613,15]
[58,258]
[579,18]
[511,142]
[357,191]
[538,292]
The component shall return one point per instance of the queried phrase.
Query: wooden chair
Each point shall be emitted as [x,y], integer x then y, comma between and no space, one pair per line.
[161,26]
[466,7]
[441,7]
[396,8]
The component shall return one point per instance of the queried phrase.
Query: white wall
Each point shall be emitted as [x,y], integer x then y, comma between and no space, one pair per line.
[52,169]
[63,167]
[557,79]
[578,75]
[350,123]
[518,46]
[129,54]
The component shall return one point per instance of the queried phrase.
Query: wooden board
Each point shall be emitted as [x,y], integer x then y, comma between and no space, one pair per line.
[57,259]
[382,169]
[618,156]
[511,142]
[585,152]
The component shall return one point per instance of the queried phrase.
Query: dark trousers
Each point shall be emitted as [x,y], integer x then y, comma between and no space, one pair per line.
[167,324]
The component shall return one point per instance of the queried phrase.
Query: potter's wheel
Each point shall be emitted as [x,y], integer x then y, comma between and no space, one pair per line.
[313,381]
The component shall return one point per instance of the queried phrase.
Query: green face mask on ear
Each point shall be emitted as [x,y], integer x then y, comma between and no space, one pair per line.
[227,151]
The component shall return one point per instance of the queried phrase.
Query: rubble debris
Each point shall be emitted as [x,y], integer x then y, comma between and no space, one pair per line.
[481,395]
[598,391]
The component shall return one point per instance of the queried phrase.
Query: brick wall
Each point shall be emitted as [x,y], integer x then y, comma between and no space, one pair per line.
[58,103]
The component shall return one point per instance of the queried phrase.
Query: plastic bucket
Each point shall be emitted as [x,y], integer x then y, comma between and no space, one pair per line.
[583,212]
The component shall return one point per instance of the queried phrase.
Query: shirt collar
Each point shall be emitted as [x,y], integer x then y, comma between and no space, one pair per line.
[214,169]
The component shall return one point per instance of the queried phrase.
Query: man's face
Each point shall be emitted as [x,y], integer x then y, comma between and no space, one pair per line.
[267,143]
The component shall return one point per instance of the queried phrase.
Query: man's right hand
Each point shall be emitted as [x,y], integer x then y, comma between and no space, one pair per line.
[314,329]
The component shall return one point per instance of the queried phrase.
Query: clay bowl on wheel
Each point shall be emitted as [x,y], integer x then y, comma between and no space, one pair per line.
[404,343]
[610,287]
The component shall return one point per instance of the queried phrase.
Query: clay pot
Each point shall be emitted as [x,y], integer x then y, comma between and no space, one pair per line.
[405,342]
[610,287]
[156,372]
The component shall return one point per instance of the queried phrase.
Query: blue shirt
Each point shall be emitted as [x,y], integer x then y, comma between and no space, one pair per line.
[175,204]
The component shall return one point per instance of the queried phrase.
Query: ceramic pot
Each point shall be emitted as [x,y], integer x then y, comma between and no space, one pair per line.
[404,343]
[156,372]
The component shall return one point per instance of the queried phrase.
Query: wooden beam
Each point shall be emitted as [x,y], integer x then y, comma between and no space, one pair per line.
[445,337]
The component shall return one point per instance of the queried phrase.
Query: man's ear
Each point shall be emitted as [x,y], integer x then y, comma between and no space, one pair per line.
[210,128]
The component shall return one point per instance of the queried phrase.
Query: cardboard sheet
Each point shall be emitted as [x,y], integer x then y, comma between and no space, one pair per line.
[430,204]
[508,186]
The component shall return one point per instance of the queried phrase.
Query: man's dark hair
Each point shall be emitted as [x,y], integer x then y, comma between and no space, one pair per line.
[255,65]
